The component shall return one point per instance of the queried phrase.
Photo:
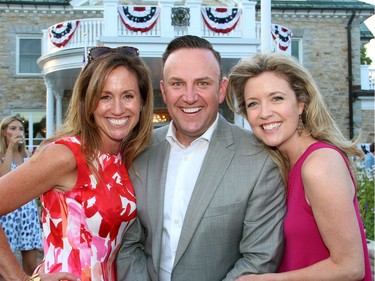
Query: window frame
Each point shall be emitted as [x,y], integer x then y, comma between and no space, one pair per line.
[19,38]
[299,45]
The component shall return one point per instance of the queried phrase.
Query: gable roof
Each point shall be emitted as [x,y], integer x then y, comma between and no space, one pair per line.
[320,5]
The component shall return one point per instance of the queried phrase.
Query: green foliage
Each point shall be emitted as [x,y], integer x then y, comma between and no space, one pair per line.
[365,193]
[364,58]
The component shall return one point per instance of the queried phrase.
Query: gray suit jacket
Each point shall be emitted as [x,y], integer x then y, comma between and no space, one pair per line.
[234,221]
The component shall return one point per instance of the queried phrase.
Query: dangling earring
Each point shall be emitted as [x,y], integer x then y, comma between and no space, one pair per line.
[300,126]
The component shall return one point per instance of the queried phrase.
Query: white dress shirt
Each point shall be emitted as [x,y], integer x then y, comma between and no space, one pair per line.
[183,169]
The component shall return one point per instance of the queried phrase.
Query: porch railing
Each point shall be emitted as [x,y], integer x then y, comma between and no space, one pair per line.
[89,31]
[86,34]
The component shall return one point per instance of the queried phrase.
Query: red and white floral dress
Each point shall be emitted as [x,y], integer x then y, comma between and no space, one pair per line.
[83,228]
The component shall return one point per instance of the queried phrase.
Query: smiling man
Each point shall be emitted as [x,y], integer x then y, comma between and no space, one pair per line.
[210,200]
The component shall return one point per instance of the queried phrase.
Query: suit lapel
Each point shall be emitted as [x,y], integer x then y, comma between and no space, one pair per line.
[156,178]
[215,164]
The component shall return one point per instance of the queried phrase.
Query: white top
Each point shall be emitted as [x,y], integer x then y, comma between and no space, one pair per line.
[183,168]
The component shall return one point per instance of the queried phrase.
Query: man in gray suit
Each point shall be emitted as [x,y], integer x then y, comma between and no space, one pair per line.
[210,200]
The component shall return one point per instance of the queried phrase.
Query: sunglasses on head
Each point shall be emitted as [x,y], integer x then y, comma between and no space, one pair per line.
[96,52]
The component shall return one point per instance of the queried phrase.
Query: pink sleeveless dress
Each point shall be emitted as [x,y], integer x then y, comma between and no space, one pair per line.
[83,228]
[303,244]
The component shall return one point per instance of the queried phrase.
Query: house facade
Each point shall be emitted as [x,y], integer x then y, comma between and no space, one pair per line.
[45,42]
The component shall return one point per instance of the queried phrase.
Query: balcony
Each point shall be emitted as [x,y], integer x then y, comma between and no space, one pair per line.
[242,40]
[65,44]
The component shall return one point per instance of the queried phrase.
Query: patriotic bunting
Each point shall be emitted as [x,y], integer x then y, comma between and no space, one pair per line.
[281,36]
[221,20]
[61,33]
[139,18]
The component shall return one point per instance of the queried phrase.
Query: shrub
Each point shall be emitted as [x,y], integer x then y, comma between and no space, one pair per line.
[365,193]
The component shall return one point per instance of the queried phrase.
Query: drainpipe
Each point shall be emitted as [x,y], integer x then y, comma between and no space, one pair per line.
[350,74]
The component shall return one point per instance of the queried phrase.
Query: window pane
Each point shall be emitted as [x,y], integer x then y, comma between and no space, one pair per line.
[296,48]
[29,52]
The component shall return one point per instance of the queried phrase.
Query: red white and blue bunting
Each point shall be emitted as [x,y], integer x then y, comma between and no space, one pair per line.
[221,20]
[281,36]
[139,18]
[61,33]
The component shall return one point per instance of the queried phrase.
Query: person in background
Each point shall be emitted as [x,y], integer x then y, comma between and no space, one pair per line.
[22,226]
[210,200]
[324,235]
[368,161]
[81,173]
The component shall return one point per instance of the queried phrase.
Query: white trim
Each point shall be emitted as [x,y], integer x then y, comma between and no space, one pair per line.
[299,44]
[367,103]
[20,37]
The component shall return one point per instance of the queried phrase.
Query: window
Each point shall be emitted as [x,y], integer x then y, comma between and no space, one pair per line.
[297,48]
[29,49]
[35,126]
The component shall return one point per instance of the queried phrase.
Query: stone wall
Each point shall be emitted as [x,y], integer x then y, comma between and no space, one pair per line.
[368,125]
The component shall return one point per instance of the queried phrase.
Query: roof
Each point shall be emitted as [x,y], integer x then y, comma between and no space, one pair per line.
[320,5]
[36,2]
[275,4]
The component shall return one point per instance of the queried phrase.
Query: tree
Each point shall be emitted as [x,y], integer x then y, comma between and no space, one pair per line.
[364,58]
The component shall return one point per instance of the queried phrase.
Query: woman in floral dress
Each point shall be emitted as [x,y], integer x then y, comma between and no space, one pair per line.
[81,174]
[22,226]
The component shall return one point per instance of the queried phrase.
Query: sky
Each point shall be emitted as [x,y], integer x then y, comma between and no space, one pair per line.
[370,23]
[370,47]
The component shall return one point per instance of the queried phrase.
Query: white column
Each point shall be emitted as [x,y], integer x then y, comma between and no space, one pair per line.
[31,132]
[45,42]
[49,108]
[58,95]
[165,18]
[248,18]
[265,25]
[110,17]
[195,27]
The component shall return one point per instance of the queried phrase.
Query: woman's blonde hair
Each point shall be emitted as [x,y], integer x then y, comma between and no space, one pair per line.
[85,97]
[3,141]
[315,117]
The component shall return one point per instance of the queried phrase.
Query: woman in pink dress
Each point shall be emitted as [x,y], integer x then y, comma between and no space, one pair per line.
[81,174]
[323,230]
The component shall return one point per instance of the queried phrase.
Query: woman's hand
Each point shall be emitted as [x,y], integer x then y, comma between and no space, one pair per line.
[61,276]
[15,140]
[261,277]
